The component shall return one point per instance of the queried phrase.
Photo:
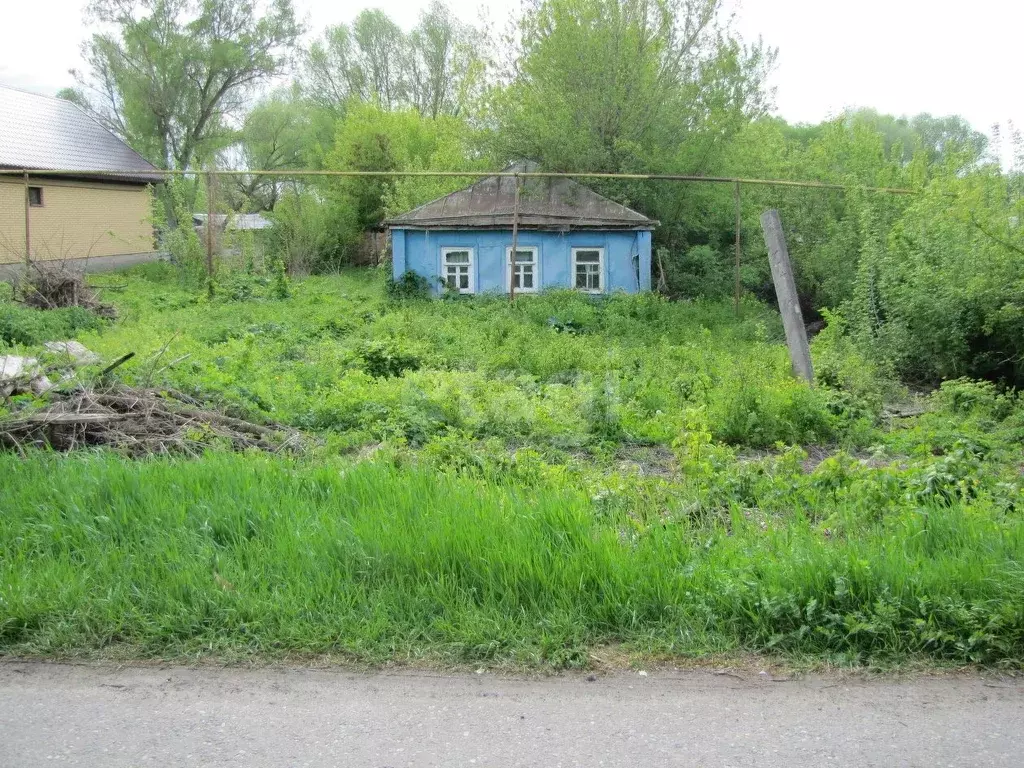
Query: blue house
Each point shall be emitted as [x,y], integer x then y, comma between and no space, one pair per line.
[569,237]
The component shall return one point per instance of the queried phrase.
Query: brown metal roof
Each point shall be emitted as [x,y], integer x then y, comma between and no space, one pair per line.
[40,132]
[545,203]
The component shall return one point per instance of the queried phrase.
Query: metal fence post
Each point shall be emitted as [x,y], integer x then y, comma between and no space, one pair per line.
[209,226]
[739,227]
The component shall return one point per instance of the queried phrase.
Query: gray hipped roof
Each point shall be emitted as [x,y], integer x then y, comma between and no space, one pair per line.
[553,203]
[43,133]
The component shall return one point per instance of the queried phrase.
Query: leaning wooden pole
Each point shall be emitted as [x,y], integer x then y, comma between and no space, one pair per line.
[739,252]
[785,289]
[515,243]
[28,229]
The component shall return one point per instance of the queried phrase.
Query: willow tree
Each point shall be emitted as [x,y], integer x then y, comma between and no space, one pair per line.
[166,75]
[437,68]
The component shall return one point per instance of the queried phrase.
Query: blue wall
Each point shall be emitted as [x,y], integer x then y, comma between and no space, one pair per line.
[420,251]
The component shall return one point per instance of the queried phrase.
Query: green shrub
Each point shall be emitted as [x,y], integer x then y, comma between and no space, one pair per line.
[187,253]
[700,273]
[236,286]
[601,410]
[24,325]
[411,285]
[279,288]
[840,364]
[744,413]
[965,396]
[309,234]
[942,295]
[384,359]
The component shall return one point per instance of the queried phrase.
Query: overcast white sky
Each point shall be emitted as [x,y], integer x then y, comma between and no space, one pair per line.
[899,56]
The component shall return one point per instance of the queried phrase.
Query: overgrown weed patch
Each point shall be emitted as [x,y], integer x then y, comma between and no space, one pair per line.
[492,488]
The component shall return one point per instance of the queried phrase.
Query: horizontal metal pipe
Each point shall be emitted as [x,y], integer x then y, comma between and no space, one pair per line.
[476,174]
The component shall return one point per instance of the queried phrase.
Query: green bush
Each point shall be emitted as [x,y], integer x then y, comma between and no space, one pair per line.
[24,325]
[743,413]
[942,294]
[279,288]
[384,359]
[309,235]
[700,273]
[965,396]
[410,285]
[187,253]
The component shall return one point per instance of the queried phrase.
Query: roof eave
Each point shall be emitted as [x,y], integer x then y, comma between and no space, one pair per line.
[647,226]
[113,177]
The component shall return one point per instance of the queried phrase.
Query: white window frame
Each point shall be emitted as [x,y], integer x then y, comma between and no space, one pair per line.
[472,266]
[600,269]
[536,268]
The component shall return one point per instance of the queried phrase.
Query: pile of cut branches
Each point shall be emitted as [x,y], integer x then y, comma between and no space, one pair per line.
[52,286]
[138,422]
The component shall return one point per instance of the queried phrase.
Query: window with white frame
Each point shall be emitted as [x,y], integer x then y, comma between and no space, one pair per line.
[524,272]
[457,269]
[588,269]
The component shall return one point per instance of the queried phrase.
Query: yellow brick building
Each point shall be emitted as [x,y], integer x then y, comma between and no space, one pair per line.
[73,214]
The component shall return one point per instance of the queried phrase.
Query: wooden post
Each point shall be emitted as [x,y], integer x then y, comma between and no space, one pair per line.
[28,229]
[515,243]
[739,227]
[785,289]
[209,225]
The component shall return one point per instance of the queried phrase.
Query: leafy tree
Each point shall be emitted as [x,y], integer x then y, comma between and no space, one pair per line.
[612,84]
[75,96]
[941,138]
[372,138]
[275,136]
[332,73]
[436,68]
[940,294]
[168,73]
[631,86]
[445,72]
[382,47]
[944,137]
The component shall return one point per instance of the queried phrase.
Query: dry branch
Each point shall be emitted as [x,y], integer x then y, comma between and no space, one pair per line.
[138,422]
[55,285]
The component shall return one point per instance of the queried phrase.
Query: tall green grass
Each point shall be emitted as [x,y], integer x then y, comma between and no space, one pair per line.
[242,554]
[549,476]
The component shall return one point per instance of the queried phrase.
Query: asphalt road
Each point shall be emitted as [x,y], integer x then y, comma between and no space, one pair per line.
[53,714]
